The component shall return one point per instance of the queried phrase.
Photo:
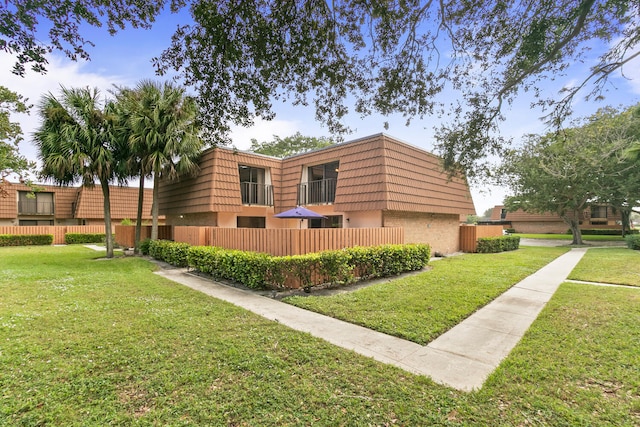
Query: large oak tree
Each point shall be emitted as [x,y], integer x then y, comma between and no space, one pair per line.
[566,172]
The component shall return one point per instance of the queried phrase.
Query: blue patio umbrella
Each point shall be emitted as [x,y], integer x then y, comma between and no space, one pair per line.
[299,212]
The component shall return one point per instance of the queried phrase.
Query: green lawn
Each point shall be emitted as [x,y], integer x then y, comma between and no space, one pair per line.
[421,307]
[593,238]
[609,265]
[576,366]
[106,342]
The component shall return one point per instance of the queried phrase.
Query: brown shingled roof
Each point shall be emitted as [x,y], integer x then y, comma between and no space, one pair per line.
[124,203]
[375,173]
[88,202]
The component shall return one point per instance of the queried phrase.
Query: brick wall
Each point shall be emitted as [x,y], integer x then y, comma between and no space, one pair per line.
[440,231]
[539,227]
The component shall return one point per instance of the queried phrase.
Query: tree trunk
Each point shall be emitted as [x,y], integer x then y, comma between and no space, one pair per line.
[625,214]
[107,219]
[574,224]
[573,221]
[139,215]
[155,207]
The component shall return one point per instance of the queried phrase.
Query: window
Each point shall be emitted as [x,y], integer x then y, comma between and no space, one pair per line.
[33,222]
[334,221]
[321,184]
[253,187]
[598,212]
[251,222]
[38,203]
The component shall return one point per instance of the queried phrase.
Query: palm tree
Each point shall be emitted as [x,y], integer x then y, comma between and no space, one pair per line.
[76,142]
[164,137]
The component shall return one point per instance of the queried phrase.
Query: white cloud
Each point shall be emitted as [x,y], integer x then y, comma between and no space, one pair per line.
[34,86]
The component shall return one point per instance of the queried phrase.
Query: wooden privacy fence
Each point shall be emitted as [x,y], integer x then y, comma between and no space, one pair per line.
[58,231]
[469,235]
[289,241]
[126,234]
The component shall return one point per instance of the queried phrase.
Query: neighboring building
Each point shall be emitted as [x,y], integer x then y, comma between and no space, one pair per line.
[377,181]
[595,217]
[57,205]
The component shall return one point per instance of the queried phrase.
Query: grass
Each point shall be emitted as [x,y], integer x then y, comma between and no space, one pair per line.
[577,365]
[106,342]
[421,307]
[609,265]
[593,238]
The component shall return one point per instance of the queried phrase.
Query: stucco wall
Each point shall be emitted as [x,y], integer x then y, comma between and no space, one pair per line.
[208,219]
[363,219]
[440,231]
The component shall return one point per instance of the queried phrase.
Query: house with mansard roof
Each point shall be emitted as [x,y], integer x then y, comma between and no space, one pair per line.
[596,216]
[376,181]
[62,205]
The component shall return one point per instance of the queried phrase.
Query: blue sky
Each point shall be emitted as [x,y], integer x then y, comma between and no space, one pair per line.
[125,58]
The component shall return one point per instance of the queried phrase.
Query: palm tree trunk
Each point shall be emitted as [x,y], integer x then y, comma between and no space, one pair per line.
[154,206]
[139,214]
[107,218]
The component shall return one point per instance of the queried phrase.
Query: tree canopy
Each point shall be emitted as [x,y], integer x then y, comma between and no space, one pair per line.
[21,21]
[347,55]
[290,145]
[565,172]
[11,162]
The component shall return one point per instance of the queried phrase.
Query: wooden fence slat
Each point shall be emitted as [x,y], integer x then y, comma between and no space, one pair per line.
[469,235]
[287,241]
[58,231]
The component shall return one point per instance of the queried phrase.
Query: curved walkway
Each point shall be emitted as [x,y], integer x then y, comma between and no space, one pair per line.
[461,358]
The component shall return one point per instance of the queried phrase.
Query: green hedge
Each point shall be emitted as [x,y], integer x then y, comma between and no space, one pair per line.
[488,245]
[170,252]
[633,241]
[75,238]
[26,239]
[262,271]
[603,232]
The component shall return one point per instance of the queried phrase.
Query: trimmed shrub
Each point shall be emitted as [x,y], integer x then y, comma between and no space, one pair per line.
[76,238]
[365,262]
[488,245]
[26,239]
[335,267]
[604,232]
[170,252]
[260,271]
[633,241]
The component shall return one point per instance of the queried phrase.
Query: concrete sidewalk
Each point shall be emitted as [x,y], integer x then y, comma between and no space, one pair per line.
[461,358]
